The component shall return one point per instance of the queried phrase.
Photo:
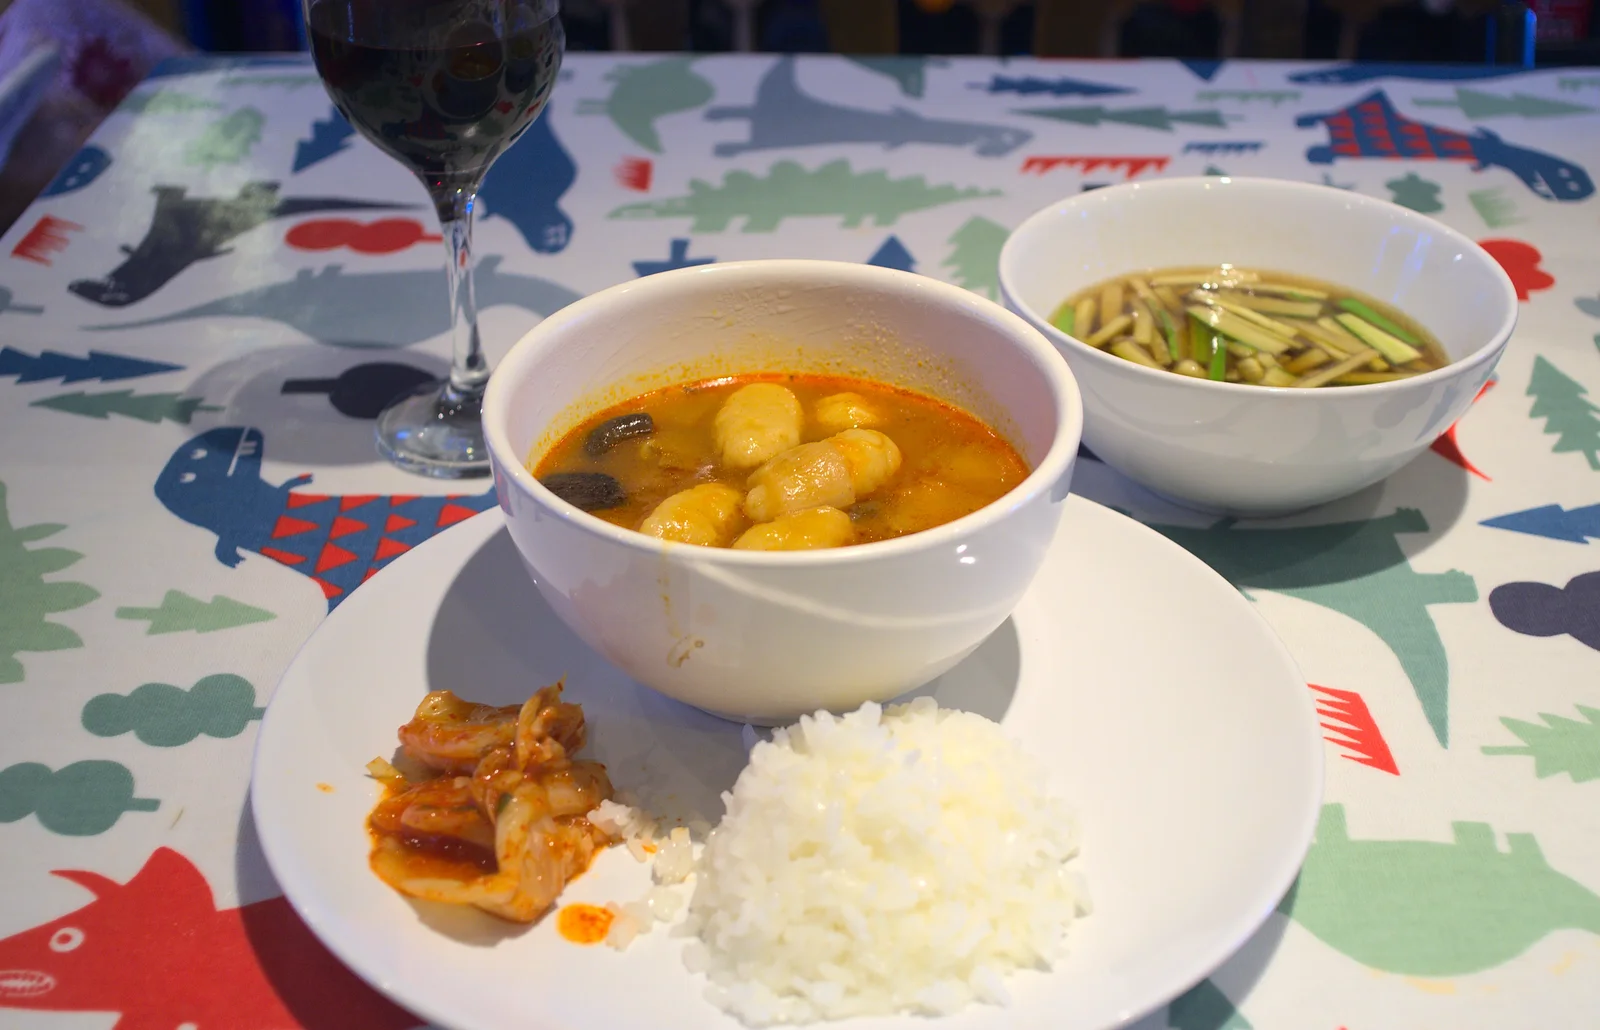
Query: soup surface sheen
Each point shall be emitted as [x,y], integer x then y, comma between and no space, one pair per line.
[1236,325]
[781,462]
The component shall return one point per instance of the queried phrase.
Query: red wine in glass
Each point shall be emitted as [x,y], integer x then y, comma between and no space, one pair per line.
[443,87]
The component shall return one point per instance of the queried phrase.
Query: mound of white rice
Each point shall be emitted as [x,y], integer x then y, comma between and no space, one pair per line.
[890,860]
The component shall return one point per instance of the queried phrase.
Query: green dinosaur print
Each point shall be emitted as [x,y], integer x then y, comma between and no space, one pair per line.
[226,141]
[1204,1007]
[975,255]
[645,92]
[162,715]
[1559,746]
[26,600]
[790,191]
[1356,569]
[77,800]
[1423,908]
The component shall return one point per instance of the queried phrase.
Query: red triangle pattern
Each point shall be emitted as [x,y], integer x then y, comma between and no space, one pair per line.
[368,575]
[344,526]
[284,557]
[356,501]
[328,589]
[301,500]
[288,525]
[398,499]
[332,557]
[450,514]
[388,548]
[398,522]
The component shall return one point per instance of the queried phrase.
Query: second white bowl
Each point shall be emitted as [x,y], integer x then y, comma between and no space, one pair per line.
[1257,450]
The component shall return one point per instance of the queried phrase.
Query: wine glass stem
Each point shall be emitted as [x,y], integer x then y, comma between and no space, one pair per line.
[469,371]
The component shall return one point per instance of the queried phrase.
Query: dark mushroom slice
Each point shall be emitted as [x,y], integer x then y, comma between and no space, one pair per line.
[863,510]
[613,431]
[591,491]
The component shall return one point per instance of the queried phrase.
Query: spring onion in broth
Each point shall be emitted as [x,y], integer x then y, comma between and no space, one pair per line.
[1233,324]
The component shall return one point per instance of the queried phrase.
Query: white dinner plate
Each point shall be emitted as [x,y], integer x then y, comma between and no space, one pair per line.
[1176,723]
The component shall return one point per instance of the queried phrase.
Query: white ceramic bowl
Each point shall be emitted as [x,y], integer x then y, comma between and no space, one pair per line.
[1255,450]
[767,637]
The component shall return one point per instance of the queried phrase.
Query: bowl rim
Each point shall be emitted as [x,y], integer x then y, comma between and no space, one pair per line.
[1035,221]
[1048,476]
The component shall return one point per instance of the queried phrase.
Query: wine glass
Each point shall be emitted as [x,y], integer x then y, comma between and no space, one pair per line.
[443,87]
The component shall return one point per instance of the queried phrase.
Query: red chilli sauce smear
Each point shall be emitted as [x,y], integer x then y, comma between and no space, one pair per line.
[584,924]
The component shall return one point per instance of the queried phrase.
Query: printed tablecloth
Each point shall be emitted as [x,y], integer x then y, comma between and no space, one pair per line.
[207,306]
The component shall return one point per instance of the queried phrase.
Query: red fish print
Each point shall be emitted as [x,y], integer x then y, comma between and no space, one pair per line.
[47,238]
[385,236]
[157,951]
[1089,163]
[1521,262]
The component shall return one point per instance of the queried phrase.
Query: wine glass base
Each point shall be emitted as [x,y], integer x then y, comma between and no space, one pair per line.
[432,431]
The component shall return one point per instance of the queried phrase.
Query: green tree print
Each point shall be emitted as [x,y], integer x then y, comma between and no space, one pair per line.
[26,599]
[1561,745]
[1560,402]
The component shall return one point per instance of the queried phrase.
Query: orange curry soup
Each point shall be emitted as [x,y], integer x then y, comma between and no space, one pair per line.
[950,463]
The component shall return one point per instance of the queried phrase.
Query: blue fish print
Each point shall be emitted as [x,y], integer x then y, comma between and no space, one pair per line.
[1372,128]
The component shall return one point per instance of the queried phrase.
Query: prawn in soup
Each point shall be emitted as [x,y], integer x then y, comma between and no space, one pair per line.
[781,462]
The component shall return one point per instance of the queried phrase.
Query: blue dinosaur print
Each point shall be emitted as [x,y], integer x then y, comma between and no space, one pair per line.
[526,184]
[1223,147]
[1358,570]
[1033,85]
[371,309]
[86,166]
[1366,72]
[784,117]
[214,481]
[1372,128]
